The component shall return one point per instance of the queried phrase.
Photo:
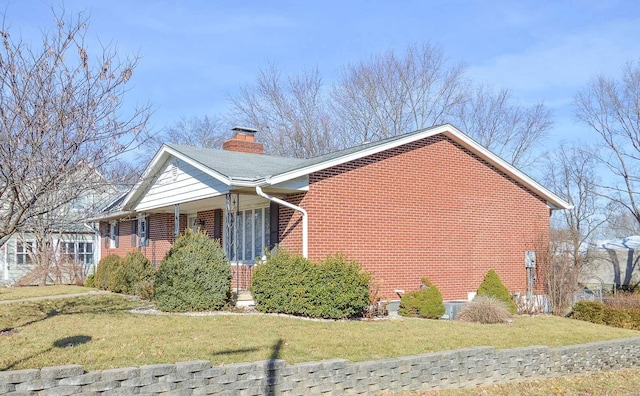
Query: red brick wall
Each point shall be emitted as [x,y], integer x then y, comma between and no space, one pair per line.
[430,208]
[161,229]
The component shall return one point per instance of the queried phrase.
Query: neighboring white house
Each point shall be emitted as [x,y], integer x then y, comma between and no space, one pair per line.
[614,263]
[73,245]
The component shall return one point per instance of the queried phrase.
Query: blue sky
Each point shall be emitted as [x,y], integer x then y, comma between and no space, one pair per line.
[195,53]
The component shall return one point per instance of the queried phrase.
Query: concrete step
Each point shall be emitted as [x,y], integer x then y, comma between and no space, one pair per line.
[243,298]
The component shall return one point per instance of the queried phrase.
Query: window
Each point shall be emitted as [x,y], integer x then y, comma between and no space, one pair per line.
[80,252]
[252,233]
[23,252]
[143,230]
[192,222]
[113,235]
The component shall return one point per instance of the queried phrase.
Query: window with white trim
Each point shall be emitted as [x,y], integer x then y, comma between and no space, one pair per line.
[24,250]
[113,235]
[79,251]
[252,233]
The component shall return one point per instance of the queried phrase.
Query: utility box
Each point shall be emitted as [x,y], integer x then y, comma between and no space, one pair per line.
[451,309]
[530,259]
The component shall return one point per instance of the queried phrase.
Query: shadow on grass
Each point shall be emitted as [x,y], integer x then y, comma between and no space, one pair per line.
[272,370]
[66,342]
[73,306]
[234,351]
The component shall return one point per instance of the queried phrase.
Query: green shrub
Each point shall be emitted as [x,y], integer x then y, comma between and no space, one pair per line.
[103,278]
[139,275]
[194,276]
[423,303]
[90,281]
[336,288]
[599,313]
[485,310]
[280,285]
[493,286]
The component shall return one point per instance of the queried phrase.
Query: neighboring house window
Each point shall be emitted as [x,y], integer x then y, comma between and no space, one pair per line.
[143,230]
[113,235]
[253,233]
[80,252]
[23,252]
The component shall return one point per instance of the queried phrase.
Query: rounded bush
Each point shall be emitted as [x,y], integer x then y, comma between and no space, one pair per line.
[280,285]
[423,303]
[194,276]
[492,286]
[103,278]
[139,275]
[336,288]
[485,310]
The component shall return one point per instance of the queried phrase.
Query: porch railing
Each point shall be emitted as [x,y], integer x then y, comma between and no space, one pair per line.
[241,276]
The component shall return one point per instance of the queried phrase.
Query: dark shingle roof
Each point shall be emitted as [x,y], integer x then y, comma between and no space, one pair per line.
[255,166]
[238,165]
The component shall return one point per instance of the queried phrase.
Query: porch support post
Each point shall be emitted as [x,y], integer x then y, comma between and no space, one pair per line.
[176,220]
[230,234]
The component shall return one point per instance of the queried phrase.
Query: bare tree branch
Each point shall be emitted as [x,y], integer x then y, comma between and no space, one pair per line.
[61,109]
[611,108]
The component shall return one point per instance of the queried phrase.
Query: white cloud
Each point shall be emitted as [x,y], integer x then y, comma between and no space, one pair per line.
[563,62]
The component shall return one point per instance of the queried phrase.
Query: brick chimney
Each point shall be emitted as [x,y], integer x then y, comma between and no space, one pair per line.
[243,141]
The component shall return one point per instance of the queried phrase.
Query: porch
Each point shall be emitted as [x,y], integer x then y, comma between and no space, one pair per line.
[245,225]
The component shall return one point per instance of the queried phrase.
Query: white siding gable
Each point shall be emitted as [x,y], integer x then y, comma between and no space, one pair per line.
[180,182]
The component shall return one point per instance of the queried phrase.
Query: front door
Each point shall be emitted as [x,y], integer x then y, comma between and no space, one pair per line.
[192,222]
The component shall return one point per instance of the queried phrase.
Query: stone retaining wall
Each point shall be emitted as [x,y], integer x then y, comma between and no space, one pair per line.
[449,369]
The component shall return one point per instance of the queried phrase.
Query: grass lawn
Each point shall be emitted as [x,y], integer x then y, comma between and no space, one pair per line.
[15,293]
[98,332]
[622,382]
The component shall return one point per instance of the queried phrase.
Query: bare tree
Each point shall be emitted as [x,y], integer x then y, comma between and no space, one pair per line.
[59,242]
[510,130]
[196,131]
[390,94]
[611,108]
[572,173]
[621,224]
[386,95]
[60,107]
[290,113]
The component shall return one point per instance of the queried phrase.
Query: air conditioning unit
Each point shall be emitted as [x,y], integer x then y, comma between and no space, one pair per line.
[451,309]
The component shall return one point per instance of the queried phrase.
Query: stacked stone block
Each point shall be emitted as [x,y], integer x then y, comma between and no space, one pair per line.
[449,369]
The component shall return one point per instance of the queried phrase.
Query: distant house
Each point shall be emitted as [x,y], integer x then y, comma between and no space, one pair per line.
[614,263]
[427,203]
[60,246]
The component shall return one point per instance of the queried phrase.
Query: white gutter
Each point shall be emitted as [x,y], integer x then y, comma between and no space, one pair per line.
[305,220]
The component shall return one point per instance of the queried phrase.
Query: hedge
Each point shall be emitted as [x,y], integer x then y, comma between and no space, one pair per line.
[335,288]
[597,312]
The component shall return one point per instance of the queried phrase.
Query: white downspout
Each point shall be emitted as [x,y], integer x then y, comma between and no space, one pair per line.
[305,221]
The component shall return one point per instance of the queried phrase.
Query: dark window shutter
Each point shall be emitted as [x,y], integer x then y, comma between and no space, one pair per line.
[134,232]
[105,235]
[274,225]
[217,224]
[147,230]
[117,235]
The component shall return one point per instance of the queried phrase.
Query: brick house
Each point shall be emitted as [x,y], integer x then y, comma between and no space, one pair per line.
[427,203]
